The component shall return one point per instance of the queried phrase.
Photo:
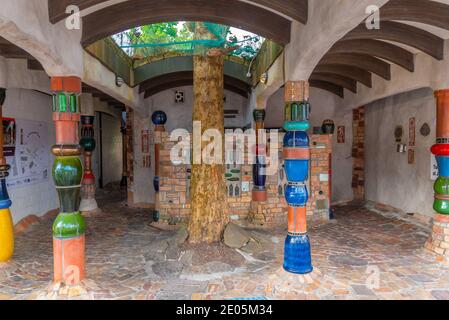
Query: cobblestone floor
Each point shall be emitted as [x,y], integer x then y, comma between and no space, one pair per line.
[128,259]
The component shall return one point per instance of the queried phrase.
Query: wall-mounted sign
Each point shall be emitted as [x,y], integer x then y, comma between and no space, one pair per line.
[412,132]
[30,163]
[9,137]
[341,134]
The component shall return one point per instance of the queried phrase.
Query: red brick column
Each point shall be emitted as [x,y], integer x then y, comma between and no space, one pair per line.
[130,153]
[358,153]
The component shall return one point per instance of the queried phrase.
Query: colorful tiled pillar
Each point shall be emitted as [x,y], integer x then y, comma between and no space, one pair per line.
[259,177]
[159,119]
[439,241]
[87,142]
[297,255]
[69,226]
[6,223]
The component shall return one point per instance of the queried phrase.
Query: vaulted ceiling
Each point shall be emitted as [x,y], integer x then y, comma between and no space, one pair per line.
[268,18]
[11,51]
[406,27]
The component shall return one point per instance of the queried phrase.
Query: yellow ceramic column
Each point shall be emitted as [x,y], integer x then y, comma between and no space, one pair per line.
[6,224]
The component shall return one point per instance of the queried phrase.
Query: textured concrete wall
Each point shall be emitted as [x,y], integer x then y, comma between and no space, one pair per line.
[112,149]
[324,105]
[180,114]
[143,177]
[389,178]
[39,198]
[342,161]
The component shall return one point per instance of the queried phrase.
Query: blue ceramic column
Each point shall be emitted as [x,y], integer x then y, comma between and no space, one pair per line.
[297,255]
[159,119]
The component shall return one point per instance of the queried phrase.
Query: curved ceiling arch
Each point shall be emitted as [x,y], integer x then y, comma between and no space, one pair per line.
[235,13]
[351,72]
[402,33]
[338,80]
[185,78]
[366,62]
[423,11]
[380,49]
[295,9]
[328,86]
[184,63]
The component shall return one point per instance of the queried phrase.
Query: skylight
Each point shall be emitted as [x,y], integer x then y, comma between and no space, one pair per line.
[177,38]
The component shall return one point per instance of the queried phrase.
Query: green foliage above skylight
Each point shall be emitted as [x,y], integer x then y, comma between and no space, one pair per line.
[177,38]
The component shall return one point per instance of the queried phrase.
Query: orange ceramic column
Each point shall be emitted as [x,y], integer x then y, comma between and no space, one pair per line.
[69,226]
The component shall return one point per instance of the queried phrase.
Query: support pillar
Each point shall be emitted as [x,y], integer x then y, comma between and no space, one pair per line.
[297,255]
[130,154]
[259,190]
[87,142]
[159,119]
[6,223]
[124,181]
[439,241]
[69,226]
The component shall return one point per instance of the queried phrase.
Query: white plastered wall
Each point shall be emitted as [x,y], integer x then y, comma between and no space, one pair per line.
[40,198]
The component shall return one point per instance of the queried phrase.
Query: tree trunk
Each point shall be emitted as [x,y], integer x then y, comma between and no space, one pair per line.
[208,185]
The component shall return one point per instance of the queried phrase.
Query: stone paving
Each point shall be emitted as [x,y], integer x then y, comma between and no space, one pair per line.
[360,255]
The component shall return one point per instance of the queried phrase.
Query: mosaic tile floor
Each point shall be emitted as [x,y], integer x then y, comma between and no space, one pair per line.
[361,255]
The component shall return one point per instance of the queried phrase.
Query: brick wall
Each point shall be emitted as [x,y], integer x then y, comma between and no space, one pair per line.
[321,149]
[173,199]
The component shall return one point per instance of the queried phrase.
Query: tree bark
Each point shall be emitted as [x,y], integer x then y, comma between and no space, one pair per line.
[208,186]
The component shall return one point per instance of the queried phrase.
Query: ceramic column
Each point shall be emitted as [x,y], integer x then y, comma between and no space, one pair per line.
[439,240]
[259,190]
[69,226]
[6,223]
[87,142]
[159,119]
[297,255]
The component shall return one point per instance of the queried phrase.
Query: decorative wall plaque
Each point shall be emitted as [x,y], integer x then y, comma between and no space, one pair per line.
[425,130]
[411,156]
[233,180]
[341,134]
[145,141]
[179,97]
[412,132]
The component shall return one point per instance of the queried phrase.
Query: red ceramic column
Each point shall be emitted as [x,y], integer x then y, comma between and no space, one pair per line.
[69,226]
[439,240]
